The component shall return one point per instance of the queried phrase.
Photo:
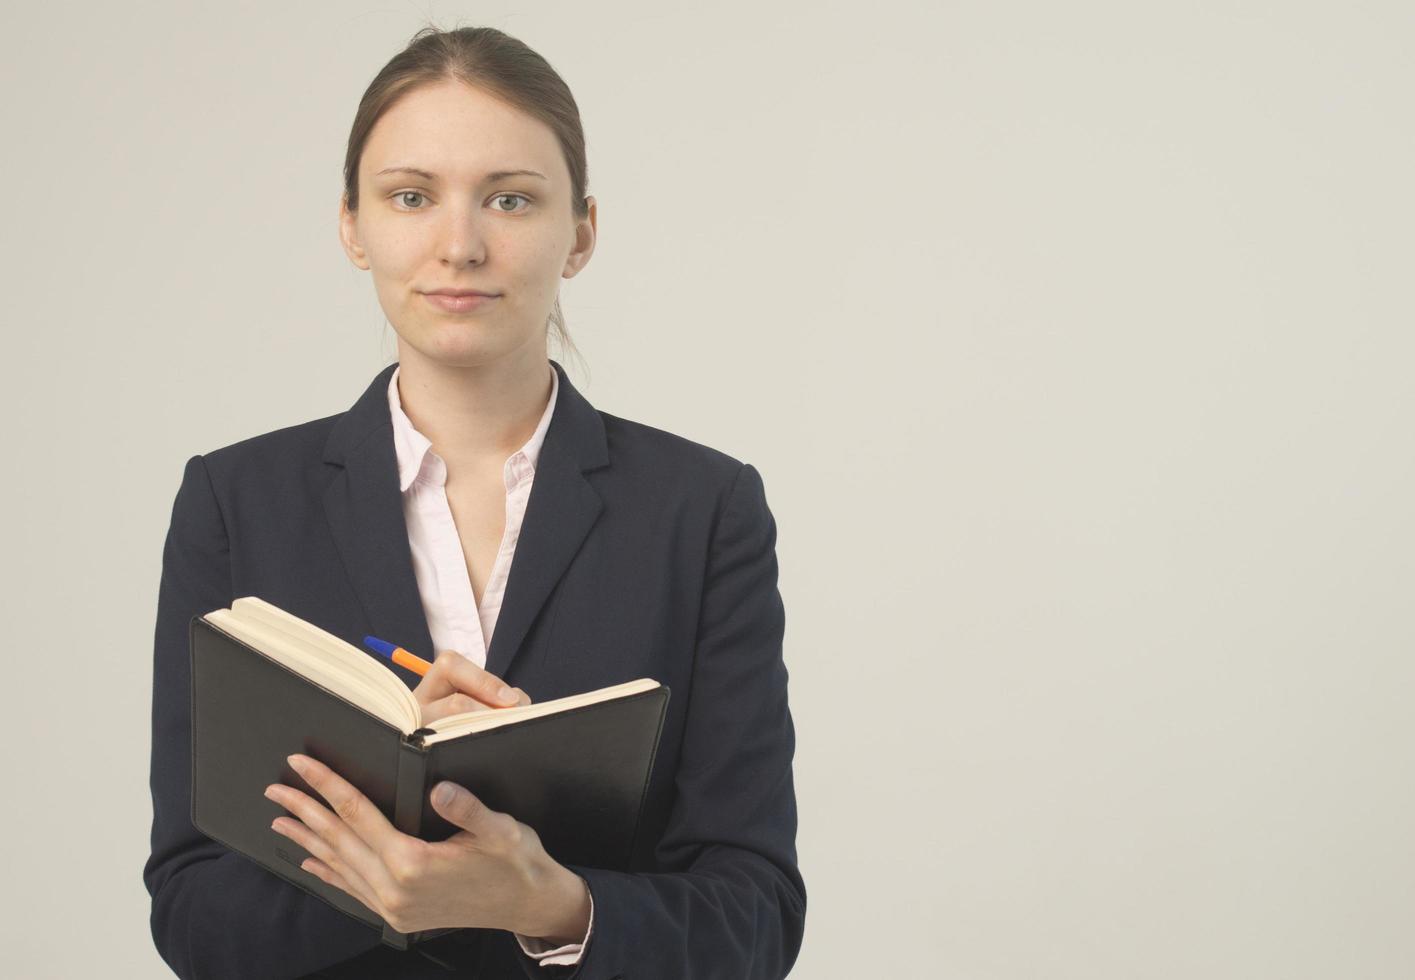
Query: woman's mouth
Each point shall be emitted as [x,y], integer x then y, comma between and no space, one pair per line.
[459,304]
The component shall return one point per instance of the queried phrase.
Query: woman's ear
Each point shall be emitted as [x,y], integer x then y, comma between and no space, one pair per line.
[585,234]
[349,234]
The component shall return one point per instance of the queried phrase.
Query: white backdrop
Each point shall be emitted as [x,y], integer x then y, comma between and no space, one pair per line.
[1073,344]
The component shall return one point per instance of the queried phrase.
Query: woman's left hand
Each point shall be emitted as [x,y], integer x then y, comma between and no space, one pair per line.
[492,874]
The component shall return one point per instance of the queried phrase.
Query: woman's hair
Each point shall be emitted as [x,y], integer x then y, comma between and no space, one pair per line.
[499,64]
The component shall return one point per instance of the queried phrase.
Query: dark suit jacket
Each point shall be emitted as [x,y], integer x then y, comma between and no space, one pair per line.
[642,555]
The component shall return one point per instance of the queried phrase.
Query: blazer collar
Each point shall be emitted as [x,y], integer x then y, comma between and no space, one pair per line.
[365,511]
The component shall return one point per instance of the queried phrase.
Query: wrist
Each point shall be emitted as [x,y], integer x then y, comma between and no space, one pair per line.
[562,912]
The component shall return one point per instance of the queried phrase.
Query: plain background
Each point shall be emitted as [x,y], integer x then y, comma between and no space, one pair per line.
[1072,341]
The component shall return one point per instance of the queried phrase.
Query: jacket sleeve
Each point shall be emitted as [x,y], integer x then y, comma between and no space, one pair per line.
[215,913]
[737,909]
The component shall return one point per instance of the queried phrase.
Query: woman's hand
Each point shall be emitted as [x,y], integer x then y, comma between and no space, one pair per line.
[455,685]
[492,874]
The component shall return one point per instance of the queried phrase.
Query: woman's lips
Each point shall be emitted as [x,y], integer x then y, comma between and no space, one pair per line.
[458,304]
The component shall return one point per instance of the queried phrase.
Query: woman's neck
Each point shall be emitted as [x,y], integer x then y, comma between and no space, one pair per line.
[474,416]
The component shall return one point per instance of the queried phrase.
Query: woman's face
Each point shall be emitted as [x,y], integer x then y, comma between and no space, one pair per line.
[458,226]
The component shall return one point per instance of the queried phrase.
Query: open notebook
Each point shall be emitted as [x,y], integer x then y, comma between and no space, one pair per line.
[266,684]
[354,674]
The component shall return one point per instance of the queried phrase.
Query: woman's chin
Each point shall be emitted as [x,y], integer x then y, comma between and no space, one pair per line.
[462,348]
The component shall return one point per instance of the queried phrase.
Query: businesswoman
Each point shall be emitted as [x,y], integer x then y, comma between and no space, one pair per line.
[474,506]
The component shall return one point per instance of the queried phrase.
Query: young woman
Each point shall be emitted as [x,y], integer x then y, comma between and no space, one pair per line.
[473,503]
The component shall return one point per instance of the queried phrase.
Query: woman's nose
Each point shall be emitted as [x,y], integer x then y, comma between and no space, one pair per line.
[461,234]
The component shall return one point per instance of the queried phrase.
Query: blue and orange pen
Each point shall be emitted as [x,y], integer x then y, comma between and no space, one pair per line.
[398,655]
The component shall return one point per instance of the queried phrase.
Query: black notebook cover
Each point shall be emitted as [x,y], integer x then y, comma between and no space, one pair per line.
[579,777]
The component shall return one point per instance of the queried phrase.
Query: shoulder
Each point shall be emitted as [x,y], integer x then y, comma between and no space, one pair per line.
[655,464]
[276,468]
[304,440]
[643,447]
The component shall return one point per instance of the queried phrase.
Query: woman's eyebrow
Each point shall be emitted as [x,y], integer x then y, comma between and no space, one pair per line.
[493,176]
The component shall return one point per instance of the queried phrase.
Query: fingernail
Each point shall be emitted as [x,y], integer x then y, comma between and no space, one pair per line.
[507,694]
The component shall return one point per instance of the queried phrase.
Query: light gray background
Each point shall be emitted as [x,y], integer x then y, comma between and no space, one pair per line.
[1072,342]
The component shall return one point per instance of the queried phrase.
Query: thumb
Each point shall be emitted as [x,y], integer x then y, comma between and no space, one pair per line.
[457,805]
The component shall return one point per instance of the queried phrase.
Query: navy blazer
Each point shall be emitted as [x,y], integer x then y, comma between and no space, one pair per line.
[642,555]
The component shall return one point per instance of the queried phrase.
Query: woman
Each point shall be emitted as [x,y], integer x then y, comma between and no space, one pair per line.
[637,553]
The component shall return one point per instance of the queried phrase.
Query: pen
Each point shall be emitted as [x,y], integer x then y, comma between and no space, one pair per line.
[398,655]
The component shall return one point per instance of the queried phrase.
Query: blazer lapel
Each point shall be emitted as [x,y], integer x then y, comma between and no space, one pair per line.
[365,511]
[562,508]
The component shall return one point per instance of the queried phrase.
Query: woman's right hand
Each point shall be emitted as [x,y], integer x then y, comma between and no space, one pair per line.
[455,685]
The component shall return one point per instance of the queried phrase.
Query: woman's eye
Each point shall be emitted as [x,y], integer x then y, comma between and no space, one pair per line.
[402,197]
[502,197]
